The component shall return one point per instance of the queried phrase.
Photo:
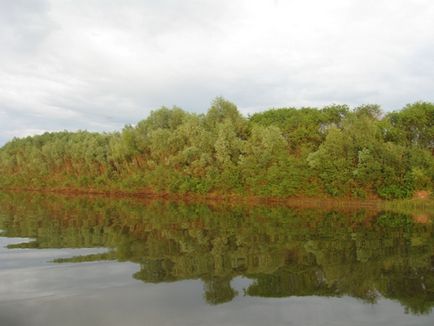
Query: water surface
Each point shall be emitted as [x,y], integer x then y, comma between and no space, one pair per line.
[96,261]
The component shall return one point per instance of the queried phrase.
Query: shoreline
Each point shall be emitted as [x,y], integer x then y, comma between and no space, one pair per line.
[413,206]
[213,198]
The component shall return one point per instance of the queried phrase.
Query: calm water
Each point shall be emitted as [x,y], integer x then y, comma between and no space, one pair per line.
[77,261]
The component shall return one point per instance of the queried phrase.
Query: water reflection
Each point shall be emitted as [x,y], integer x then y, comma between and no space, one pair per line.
[283,251]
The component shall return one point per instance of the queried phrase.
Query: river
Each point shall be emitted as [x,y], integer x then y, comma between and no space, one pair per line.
[106,261]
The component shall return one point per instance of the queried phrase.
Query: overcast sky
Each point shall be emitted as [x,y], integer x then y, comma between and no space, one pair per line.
[100,64]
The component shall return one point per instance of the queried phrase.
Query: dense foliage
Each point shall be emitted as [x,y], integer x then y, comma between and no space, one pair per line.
[281,152]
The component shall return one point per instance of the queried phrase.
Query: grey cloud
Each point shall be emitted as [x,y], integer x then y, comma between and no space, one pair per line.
[98,65]
[25,24]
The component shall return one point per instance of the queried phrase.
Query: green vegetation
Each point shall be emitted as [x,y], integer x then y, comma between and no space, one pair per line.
[409,206]
[284,251]
[333,151]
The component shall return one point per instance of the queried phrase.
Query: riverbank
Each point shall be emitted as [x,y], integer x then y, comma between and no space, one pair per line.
[231,199]
[408,206]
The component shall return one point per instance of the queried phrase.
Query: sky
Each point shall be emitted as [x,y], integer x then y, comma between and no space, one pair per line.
[101,64]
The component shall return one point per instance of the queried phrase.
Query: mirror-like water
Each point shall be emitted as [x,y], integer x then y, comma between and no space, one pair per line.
[82,261]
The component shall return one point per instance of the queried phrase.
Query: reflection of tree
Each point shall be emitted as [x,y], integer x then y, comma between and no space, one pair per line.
[155,271]
[285,251]
[288,282]
[218,290]
[414,288]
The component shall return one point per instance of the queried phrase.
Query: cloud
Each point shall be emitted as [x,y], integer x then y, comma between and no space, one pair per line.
[98,65]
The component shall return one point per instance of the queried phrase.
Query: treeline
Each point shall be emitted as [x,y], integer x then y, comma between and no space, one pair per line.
[332,151]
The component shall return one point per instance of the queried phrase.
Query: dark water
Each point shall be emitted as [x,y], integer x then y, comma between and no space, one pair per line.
[78,261]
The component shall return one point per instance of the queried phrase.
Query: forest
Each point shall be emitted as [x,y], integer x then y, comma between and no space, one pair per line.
[334,151]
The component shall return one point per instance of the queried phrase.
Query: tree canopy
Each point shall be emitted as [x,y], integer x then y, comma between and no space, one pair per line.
[330,151]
